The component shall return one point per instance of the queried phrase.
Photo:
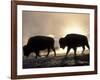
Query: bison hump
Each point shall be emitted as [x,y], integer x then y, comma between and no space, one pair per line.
[40,40]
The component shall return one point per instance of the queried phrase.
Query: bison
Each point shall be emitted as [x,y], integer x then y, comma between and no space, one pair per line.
[37,43]
[73,41]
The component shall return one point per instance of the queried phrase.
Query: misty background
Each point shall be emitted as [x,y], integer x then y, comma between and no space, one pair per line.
[53,24]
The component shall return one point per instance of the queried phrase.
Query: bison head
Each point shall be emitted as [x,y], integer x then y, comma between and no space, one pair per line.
[62,43]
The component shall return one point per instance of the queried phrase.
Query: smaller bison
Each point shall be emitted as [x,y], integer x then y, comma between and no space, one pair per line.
[37,43]
[73,41]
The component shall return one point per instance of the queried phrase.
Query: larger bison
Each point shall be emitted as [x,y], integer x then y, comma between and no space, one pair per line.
[73,41]
[37,43]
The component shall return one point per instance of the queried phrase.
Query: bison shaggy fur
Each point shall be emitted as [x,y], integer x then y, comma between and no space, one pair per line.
[73,41]
[37,43]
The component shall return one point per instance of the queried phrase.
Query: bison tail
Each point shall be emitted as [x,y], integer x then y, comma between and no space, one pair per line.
[87,44]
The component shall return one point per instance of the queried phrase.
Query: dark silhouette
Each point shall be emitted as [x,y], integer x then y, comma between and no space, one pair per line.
[73,41]
[37,43]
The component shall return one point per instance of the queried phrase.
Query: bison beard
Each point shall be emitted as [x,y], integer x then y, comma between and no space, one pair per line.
[73,41]
[37,43]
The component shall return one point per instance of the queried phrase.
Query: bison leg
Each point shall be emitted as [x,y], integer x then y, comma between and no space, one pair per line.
[37,54]
[75,58]
[48,52]
[83,49]
[68,51]
[75,49]
[54,51]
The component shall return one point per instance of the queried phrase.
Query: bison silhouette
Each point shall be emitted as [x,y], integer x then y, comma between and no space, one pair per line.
[73,41]
[37,43]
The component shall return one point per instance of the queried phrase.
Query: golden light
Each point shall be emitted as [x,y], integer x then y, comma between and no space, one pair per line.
[73,29]
[50,35]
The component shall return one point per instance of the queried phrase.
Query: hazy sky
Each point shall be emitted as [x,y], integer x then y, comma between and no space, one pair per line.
[54,24]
